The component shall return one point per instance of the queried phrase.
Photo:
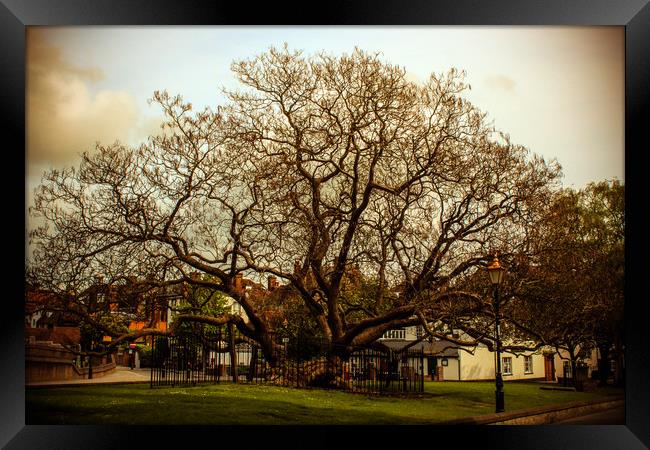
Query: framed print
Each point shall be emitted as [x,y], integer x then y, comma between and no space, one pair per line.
[568,76]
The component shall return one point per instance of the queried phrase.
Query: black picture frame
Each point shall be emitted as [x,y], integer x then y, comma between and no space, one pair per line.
[15,15]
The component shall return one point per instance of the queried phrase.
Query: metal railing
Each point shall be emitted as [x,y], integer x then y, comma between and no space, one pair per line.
[227,356]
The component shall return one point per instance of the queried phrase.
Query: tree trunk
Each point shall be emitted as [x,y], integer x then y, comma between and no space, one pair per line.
[327,371]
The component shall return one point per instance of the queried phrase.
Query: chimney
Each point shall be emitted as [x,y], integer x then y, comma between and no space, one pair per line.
[238,282]
[273,282]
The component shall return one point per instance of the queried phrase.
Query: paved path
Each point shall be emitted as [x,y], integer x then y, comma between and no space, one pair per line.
[120,375]
[614,416]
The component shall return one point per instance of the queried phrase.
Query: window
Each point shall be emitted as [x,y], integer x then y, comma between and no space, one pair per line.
[507,365]
[418,331]
[395,334]
[528,364]
[567,369]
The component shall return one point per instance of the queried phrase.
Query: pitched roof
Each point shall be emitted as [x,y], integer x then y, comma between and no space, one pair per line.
[37,299]
[435,348]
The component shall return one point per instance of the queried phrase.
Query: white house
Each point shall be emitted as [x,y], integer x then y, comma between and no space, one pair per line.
[444,360]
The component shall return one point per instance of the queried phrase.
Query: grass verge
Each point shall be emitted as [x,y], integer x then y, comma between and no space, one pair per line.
[228,404]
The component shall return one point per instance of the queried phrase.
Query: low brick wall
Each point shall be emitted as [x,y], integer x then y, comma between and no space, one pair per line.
[98,371]
[48,362]
[541,415]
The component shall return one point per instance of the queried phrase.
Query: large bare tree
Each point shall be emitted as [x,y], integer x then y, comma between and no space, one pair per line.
[319,166]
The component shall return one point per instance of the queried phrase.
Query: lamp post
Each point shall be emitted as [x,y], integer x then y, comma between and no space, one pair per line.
[497,273]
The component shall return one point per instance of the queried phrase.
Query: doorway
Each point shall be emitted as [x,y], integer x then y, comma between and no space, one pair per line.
[432,364]
[549,367]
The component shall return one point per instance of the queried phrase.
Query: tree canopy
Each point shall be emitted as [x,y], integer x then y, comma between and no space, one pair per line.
[574,290]
[336,174]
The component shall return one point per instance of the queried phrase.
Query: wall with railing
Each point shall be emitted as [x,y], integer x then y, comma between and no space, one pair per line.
[52,362]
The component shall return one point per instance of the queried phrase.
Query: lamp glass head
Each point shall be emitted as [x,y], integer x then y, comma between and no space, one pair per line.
[496,271]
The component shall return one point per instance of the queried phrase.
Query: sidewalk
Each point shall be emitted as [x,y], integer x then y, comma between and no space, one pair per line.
[551,414]
[613,416]
[120,375]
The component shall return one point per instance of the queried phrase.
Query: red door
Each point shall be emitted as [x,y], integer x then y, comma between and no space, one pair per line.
[549,368]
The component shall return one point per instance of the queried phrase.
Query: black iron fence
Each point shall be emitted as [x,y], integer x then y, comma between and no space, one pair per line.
[226,356]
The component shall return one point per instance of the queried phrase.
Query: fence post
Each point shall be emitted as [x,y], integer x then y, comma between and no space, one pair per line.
[422,370]
[233,354]
[153,362]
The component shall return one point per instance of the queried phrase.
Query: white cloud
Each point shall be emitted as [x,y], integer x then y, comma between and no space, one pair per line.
[65,117]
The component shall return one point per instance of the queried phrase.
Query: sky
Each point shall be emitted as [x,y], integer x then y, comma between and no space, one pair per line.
[559,91]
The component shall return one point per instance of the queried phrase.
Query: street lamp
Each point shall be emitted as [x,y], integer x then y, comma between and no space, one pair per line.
[497,272]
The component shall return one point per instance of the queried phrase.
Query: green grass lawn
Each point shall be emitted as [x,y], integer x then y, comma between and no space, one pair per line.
[228,404]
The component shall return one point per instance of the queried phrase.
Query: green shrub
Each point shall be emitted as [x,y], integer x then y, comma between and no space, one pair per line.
[144,352]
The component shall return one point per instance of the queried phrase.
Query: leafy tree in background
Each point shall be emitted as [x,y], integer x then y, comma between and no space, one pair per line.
[201,300]
[573,290]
